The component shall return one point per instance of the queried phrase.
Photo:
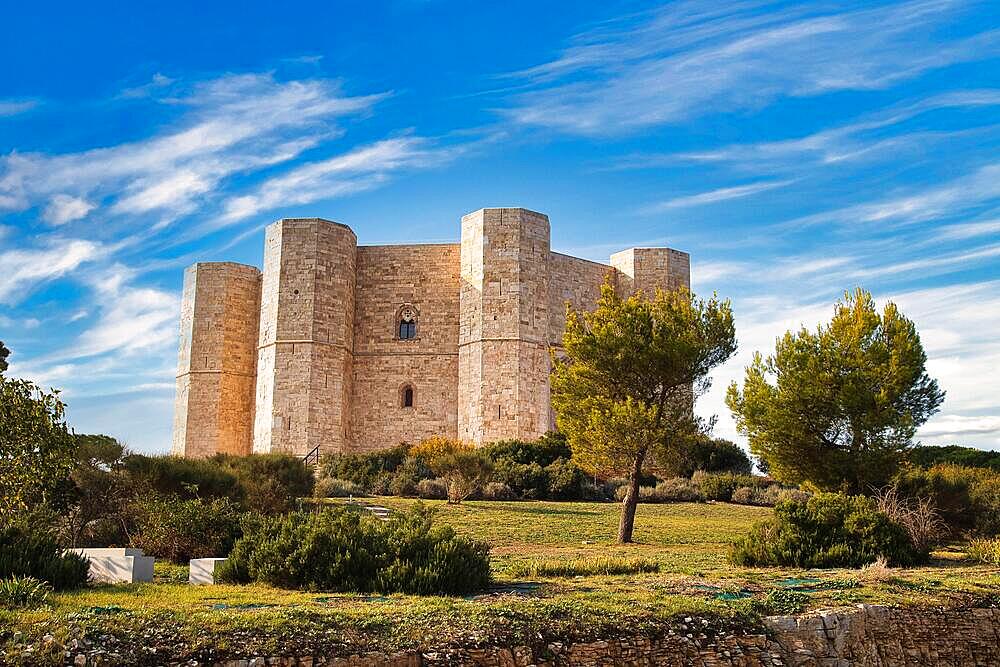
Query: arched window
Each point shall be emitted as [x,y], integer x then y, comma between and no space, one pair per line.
[406,396]
[407,323]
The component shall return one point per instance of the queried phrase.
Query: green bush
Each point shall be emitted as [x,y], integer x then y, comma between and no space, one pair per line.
[985,551]
[498,491]
[827,530]
[365,470]
[542,452]
[187,478]
[674,490]
[269,483]
[720,486]
[27,551]
[341,549]
[967,499]
[336,488]
[528,480]
[566,481]
[23,592]
[432,489]
[180,529]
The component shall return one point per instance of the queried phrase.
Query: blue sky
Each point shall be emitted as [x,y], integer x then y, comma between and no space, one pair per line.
[794,149]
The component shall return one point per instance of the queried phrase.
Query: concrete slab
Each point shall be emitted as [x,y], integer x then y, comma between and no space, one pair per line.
[202,570]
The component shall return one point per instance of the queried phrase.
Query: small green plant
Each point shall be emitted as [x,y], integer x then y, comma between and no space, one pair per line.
[583,568]
[784,601]
[24,593]
[985,551]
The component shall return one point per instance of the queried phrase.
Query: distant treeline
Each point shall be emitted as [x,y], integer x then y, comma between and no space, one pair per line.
[927,456]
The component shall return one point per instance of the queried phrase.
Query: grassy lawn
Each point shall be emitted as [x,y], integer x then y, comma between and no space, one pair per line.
[686,541]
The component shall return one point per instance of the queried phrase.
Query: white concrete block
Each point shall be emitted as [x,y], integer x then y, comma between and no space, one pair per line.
[121,569]
[202,570]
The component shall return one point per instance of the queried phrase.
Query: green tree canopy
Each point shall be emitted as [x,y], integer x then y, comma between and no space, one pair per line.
[624,392]
[4,353]
[838,407]
[36,449]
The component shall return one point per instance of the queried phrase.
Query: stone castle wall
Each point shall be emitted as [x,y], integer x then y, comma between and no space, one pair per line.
[389,277]
[307,354]
[216,363]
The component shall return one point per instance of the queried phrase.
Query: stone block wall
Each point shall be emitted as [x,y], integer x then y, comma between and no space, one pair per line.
[214,400]
[306,337]
[503,376]
[390,278]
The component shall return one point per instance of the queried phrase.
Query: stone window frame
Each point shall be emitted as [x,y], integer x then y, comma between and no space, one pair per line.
[403,388]
[398,320]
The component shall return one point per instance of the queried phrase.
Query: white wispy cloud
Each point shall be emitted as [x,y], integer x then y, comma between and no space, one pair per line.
[714,196]
[690,57]
[22,269]
[229,125]
[359,169]
[15,107]
[64,208]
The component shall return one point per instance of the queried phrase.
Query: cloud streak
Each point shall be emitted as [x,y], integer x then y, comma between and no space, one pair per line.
[690,57]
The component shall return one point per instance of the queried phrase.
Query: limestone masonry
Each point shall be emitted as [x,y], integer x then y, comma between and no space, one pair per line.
[353,348]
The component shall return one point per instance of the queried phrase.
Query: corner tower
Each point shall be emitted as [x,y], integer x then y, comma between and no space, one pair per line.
[503,361]
[304,362]
[214,399]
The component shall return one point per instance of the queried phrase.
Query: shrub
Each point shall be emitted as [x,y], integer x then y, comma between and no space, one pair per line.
[23,592]
[674,490]
[917,515]
[968,499]
[341,549]
[584,568]
[432,489]
[784,601]
[337,488]
[745,495]
[28,551]
[498,491]
[542,452]
[721,486]
[269,483]
[985,551]
[187,478]
[180,529]
[459,463]
[529,480]
[372,471]
[828,530]
[566,481]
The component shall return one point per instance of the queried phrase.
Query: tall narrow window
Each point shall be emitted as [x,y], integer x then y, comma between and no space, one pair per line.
[407,398]
[407,323]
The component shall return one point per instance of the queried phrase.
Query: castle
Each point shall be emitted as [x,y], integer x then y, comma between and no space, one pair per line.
[336,347]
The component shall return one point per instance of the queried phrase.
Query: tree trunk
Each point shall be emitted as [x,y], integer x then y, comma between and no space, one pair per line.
[629,503]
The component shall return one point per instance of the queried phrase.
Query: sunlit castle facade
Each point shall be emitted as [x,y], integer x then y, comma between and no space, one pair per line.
[336,347]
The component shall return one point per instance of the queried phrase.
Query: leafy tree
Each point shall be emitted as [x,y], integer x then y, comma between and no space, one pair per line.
[838,407]
[4,353]
[97,492]
[926,456]
[624,392]
[36,449]
[463,467]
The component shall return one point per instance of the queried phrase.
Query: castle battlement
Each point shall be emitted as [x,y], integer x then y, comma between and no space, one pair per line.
[354,348]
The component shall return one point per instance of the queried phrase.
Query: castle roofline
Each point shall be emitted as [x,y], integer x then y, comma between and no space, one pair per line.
[505,208]
[315,219]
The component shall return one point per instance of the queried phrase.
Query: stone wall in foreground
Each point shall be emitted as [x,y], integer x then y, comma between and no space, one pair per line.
[866,636]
